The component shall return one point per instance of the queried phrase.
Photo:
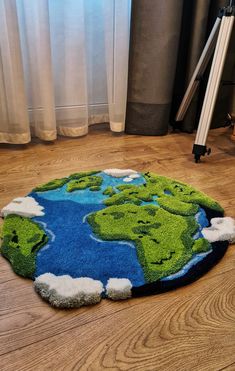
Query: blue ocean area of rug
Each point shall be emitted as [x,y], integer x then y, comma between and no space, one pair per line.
[85,196]
[76,251]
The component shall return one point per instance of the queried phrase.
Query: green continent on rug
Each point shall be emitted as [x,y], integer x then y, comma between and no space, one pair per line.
[22,238]
[164,241]
[85,178]
[92,182]
[185,200]
[115,233]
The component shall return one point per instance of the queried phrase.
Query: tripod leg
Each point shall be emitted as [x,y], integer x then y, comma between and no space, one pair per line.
[200,68]
[199,148]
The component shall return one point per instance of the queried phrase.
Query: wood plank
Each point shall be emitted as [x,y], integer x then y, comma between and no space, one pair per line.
[177,330]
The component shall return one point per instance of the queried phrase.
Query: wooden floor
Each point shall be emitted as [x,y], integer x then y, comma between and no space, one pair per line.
[192,328]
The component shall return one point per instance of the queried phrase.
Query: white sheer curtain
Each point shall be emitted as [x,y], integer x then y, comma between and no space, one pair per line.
[63,66]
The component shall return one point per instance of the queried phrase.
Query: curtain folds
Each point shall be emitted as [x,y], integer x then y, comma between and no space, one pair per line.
[14,122]
[63,66]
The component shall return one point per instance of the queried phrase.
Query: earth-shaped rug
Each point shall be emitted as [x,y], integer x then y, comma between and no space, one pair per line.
[113,233]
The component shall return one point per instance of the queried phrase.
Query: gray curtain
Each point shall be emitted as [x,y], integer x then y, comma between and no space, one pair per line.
[167,38]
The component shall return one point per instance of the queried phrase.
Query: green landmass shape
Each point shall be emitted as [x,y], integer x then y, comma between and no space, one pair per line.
[58,183]
[83,174]
[85,182]
[201,245]
[53,184]
[109,191]
[162,234]
[164,240]
[174,196]
[22,238]
[95,188]
[175,206]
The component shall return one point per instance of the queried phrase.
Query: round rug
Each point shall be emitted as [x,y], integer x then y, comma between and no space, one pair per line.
[113,233]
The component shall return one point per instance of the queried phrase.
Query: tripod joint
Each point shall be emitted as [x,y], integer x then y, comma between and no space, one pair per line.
[227,11]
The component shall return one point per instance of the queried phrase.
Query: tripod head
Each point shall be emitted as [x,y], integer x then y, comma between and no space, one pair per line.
[228,10]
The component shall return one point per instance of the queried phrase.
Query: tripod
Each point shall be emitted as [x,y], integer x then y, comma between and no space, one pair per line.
[219,40]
